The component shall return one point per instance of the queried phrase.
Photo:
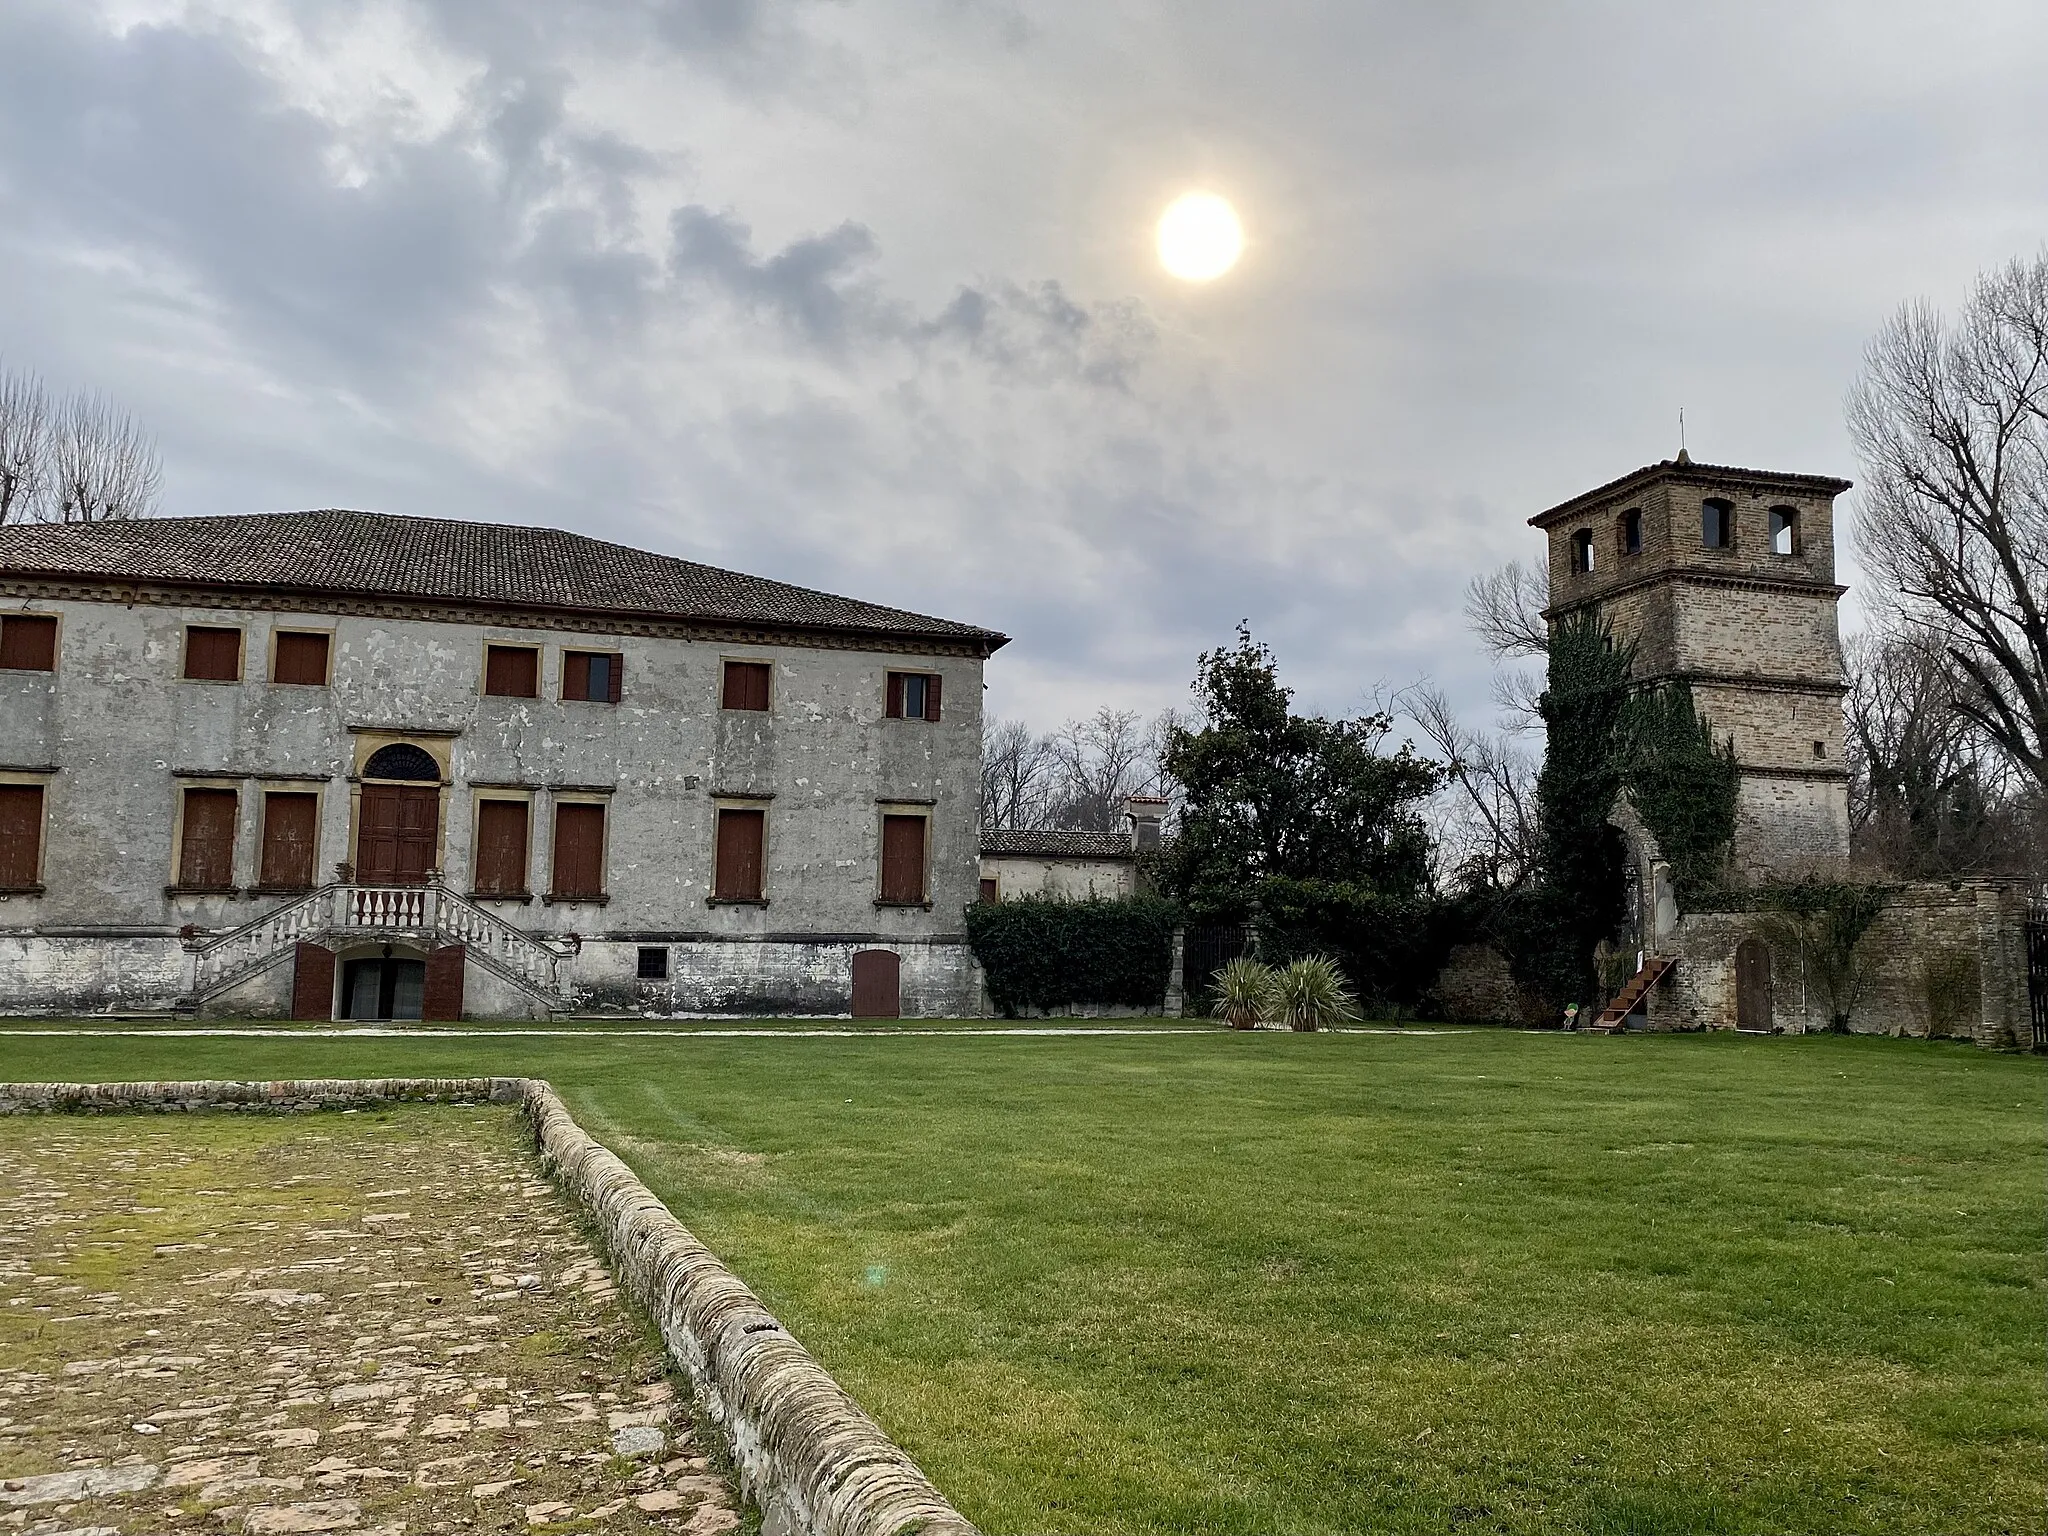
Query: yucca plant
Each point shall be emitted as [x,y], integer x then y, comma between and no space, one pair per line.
[1313,995]
[1244,993]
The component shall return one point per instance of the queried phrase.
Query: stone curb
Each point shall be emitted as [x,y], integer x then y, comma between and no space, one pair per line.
[804,1451]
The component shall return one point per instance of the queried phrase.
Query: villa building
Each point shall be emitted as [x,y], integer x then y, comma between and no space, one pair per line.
[349,765]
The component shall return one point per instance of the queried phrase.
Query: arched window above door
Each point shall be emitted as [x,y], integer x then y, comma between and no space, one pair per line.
[405,762]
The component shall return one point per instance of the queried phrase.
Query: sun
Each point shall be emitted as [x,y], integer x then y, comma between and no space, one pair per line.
[1200,238]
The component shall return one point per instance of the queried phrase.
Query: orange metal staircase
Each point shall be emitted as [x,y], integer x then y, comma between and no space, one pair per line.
[1615,1014]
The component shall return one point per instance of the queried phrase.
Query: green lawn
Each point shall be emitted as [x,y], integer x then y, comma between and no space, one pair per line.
[1275,1283]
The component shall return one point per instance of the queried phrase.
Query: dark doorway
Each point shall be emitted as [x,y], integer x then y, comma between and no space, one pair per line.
[384,989]
[400,830]
[877,982]
[1753,985]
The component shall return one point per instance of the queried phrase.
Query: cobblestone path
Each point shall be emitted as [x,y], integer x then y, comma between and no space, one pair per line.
[378,1322]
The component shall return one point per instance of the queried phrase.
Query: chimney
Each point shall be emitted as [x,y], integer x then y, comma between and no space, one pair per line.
[1145,812]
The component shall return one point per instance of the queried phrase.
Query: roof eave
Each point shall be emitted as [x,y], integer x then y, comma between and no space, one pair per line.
[990,641]
[1671,469]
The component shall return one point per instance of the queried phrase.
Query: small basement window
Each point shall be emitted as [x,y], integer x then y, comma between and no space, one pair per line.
[28,642]
[1631,539]
[913,696]
[653,962]
[1784,530]
[1717,524]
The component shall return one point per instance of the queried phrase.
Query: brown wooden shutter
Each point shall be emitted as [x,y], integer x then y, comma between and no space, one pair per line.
[742,837]
[441,998]
[501,847]
[313,982]
[21,835]
[213,655]
[575,675]
[746,685]
[291,836]
[931,697]
[615,673]
[301,658]
[206,854]
[903,858]
[579,850]
[991,892]
[28,642]
[512,672]
[894,709]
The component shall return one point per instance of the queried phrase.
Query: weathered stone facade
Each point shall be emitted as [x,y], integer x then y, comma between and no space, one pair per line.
[115,735]
[1724,580]
[1749,624]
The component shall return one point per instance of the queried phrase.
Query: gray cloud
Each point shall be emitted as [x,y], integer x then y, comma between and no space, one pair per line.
[861,298]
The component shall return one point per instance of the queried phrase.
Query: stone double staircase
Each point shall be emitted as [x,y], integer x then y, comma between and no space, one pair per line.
[343,913]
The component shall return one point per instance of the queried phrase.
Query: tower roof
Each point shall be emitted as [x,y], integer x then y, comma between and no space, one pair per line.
[1684,470]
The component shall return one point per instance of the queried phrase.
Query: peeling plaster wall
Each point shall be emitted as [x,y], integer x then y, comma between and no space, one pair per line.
[124,732]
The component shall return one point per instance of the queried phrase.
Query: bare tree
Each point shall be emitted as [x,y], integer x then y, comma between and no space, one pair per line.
[102,465]
[1951,423]
[1485,812]
[24,445]
[1505,609]
[1016,777]
[1098,762]
[78,460]
[1929,796]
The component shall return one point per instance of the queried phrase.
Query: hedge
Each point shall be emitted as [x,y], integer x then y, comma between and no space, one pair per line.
[1389,948]
[1042,952]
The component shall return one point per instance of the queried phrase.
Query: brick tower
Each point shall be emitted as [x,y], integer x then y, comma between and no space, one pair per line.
[1725,580]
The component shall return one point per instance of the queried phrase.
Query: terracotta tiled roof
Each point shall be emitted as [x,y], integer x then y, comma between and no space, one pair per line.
[1055,844]
[361,554]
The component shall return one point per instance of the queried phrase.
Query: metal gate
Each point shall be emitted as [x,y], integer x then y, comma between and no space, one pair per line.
[2037,970]
[1206,949]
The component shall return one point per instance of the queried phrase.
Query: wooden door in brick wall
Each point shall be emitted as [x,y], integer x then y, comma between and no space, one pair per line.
[877,984]
[1753,985]
[401,825]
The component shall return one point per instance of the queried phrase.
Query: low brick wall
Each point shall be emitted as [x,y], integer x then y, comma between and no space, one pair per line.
[804,1451]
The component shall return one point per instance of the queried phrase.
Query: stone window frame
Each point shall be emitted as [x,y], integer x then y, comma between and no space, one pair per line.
[740,800]
[526,795]
[540,668]
[181,784]
[270,659]
[265,788]
[924,810]
[556,799]
[56,643]
[614,682]
[44,779]
[241,633]
[726,661]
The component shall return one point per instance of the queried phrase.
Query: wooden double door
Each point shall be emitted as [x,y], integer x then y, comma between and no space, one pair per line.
[398,833]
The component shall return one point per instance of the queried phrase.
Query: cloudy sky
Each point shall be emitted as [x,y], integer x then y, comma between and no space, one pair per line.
[862,294]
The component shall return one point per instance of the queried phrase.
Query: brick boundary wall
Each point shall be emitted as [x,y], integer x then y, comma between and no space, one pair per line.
[803,1449]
